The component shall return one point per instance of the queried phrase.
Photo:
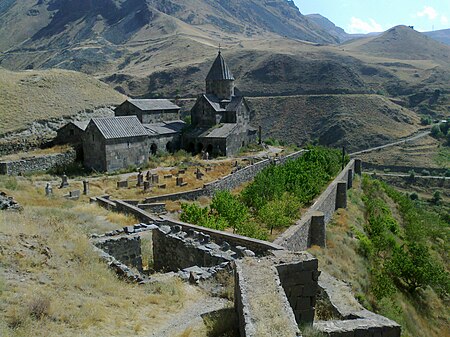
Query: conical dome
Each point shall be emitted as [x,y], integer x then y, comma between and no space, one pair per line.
[219,70]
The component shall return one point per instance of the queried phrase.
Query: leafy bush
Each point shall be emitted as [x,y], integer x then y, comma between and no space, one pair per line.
[436,131]
[302,178]
[280,212]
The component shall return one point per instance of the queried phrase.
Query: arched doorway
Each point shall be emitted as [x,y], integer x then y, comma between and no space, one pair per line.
[199,147]
[209,149]
[153,149]
[191,148]
[169,147]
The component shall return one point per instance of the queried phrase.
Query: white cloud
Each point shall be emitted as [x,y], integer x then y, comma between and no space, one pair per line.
[428,11]
[358,26]
[444,20]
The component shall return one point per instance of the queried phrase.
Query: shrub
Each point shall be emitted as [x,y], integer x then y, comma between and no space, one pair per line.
[436,131]
[414,196]
[426,173]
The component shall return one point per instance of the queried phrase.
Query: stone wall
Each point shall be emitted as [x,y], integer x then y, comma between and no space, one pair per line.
[298,237]
[299,281]
[260,247]
[228,182]
[419,183]
[174,250]
[37,164]
[126,249]
[355,320]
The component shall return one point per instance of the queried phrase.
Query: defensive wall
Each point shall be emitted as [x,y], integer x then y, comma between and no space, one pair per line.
[37,163]
[310,229]
[281,274]
[228,182]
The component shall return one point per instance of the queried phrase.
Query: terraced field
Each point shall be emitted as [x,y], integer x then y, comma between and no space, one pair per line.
[423,152]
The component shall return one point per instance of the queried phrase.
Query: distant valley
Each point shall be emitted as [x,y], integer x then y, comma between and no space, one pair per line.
[164,49]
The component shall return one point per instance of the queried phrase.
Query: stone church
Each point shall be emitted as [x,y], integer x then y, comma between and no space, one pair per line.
[220,118]
[220,125]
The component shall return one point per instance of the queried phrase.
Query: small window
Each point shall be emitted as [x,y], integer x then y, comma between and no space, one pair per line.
[93,138]
[128,144]
[72,132]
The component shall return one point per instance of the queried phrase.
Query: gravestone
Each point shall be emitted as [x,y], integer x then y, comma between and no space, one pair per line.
[167,176]
[155,179]
[140,179]
[85,187]
[148,176]
[48,189]
[64,181]
[122,184]
[179,181]
[74,194]
[146,186]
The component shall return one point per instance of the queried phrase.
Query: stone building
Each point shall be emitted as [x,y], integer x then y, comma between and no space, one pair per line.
[110,144]
[149,110]
[71,133]
[143,127]
[165,136]
[221,116]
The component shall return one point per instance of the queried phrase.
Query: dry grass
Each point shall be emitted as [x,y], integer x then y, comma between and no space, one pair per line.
[424,152]
[53,283]
[341,259]
[108,184]
[36,153]
[27,96]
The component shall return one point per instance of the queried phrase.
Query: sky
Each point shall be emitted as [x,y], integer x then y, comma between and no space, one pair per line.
[366,16]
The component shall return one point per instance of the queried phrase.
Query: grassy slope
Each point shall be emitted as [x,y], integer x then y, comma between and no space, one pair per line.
[363,120]
[32,95]
[52,283]
[425,152]
[424,314]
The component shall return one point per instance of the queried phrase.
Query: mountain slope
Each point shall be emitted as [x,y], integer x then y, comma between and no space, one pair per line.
[442,35]
[402,42]
[27,96]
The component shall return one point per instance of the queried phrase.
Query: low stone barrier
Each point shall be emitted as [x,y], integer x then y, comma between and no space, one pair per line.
[300,236]
[260,247]
[228,182]
[37,164]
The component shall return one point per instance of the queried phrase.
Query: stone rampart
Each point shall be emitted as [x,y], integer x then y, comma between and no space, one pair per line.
[126,249]
[175,250]
[298,237]
[260,247]
[228,182]
[38,163]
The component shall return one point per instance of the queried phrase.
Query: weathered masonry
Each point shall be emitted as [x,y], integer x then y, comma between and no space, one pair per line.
[110,144]
[278,274]
[149,110]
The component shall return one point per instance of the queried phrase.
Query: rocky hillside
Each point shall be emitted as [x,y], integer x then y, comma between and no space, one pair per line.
[28,96]
[164,48]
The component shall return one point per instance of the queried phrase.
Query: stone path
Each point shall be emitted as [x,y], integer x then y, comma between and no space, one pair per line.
[189,316]
[405,140]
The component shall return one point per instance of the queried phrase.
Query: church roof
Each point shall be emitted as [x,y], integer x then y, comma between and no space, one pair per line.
[120,127]
[153,104]
[229,106]
[164,128]
[219,70]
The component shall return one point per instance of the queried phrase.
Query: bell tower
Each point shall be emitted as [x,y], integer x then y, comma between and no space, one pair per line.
[220,80]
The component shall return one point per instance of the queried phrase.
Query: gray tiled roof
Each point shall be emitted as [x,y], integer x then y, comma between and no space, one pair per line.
[215,103]
[153,104]
[219,70]
[82,125]
[164,128]
[120,127]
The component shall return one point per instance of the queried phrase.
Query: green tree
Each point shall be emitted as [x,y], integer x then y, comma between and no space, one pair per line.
[281,212]
[230,208]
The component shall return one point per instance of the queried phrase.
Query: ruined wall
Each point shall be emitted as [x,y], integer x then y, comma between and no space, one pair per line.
[176,250]
[405,169]
[299,281]
[228,182]
[298,237]
[126,249]
[37,164]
